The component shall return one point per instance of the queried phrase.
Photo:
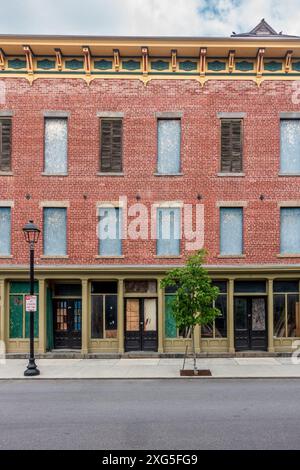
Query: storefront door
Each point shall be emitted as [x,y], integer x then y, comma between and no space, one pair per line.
[140,324]
[67,324]
[250,325]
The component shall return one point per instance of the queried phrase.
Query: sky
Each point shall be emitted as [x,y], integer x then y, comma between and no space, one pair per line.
[146,17]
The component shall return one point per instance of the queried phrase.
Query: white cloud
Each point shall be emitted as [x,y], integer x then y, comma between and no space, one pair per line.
[147,17]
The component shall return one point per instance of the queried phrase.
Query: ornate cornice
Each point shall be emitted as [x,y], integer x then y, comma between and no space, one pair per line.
[146,59]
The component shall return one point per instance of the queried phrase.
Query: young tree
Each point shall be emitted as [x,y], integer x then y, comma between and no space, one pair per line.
[194,297]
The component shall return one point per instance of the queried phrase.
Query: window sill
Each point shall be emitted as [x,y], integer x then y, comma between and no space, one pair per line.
[229,175]
[168,256]
[289,174]
[6,173]
[168,174]
[287,255]
[231,256]
[6,256]
[109,173]
[109,256]
[54,256]
[54,174]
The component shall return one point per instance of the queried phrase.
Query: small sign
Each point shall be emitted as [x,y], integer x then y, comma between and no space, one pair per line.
[31,302]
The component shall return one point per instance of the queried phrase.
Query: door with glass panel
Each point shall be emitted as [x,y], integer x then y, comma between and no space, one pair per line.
[141,324]
[250,323]
[67,324]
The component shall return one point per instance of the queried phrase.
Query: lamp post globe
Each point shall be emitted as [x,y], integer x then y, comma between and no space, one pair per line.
[31,233]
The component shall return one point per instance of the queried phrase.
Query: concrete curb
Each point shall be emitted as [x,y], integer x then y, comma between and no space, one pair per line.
[39,378]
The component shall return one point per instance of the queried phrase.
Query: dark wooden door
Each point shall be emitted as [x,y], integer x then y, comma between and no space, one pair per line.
[250,323]
[67,324]
[141,324]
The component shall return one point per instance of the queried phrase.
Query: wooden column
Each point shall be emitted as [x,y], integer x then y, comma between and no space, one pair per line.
[2,311]
[270,317]
[197,338]
[161,323]
[230,328]
[85,316]
[42,316]
[121,315]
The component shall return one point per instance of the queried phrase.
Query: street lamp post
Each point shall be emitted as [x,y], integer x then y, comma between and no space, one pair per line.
[31,234]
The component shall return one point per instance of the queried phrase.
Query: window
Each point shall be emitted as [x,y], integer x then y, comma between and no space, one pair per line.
[5,144]
[111,145]
[290,230]
[140,287]
[110,237]
[218,328]
[231,146]
[244,287]
[168,231]
[169,137]
[171,330]
[55,231]
[56,146]
[290,146]
[104,310]
[19,319]
[231,231]
[286,309]
[5,231]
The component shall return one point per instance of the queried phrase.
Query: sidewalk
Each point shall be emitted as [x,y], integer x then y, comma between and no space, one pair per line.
[151,368]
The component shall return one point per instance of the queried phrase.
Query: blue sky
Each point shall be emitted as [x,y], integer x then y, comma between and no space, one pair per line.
[146,17]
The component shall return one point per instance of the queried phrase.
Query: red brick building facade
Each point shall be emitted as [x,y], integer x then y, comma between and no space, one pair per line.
[94,302]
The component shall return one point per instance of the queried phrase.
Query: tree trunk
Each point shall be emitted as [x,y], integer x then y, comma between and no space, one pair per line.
[193,348]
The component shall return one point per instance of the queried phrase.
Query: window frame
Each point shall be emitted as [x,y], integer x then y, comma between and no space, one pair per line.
[232,255]
[179,172]
[103,295]
[100,169]
[286,253]
[9,254]
[47,255]
[46,172]
[7,118]
[281,171]
[231,119]
[285,294]
[169,255]
[120,218]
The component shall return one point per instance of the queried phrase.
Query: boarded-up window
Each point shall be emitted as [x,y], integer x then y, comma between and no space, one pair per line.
[231,231]
[231,146]
[168,231]
[55,231]
[110,231]
[290,146]
[290,230]
[5,143]
[56,145]
[169,136]
[111,145]
[5,230]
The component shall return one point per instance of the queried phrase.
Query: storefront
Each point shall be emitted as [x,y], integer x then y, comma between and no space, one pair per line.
[128,312]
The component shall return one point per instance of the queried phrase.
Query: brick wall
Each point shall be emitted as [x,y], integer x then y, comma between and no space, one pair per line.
[200,160]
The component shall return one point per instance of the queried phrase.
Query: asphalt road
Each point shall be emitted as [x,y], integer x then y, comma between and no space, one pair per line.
[150,414]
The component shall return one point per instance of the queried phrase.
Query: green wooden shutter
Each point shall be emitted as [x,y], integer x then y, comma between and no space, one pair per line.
[231,146]
[5,144]
[111,145]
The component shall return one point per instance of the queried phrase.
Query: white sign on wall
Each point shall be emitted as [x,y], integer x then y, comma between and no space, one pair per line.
[31,303]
